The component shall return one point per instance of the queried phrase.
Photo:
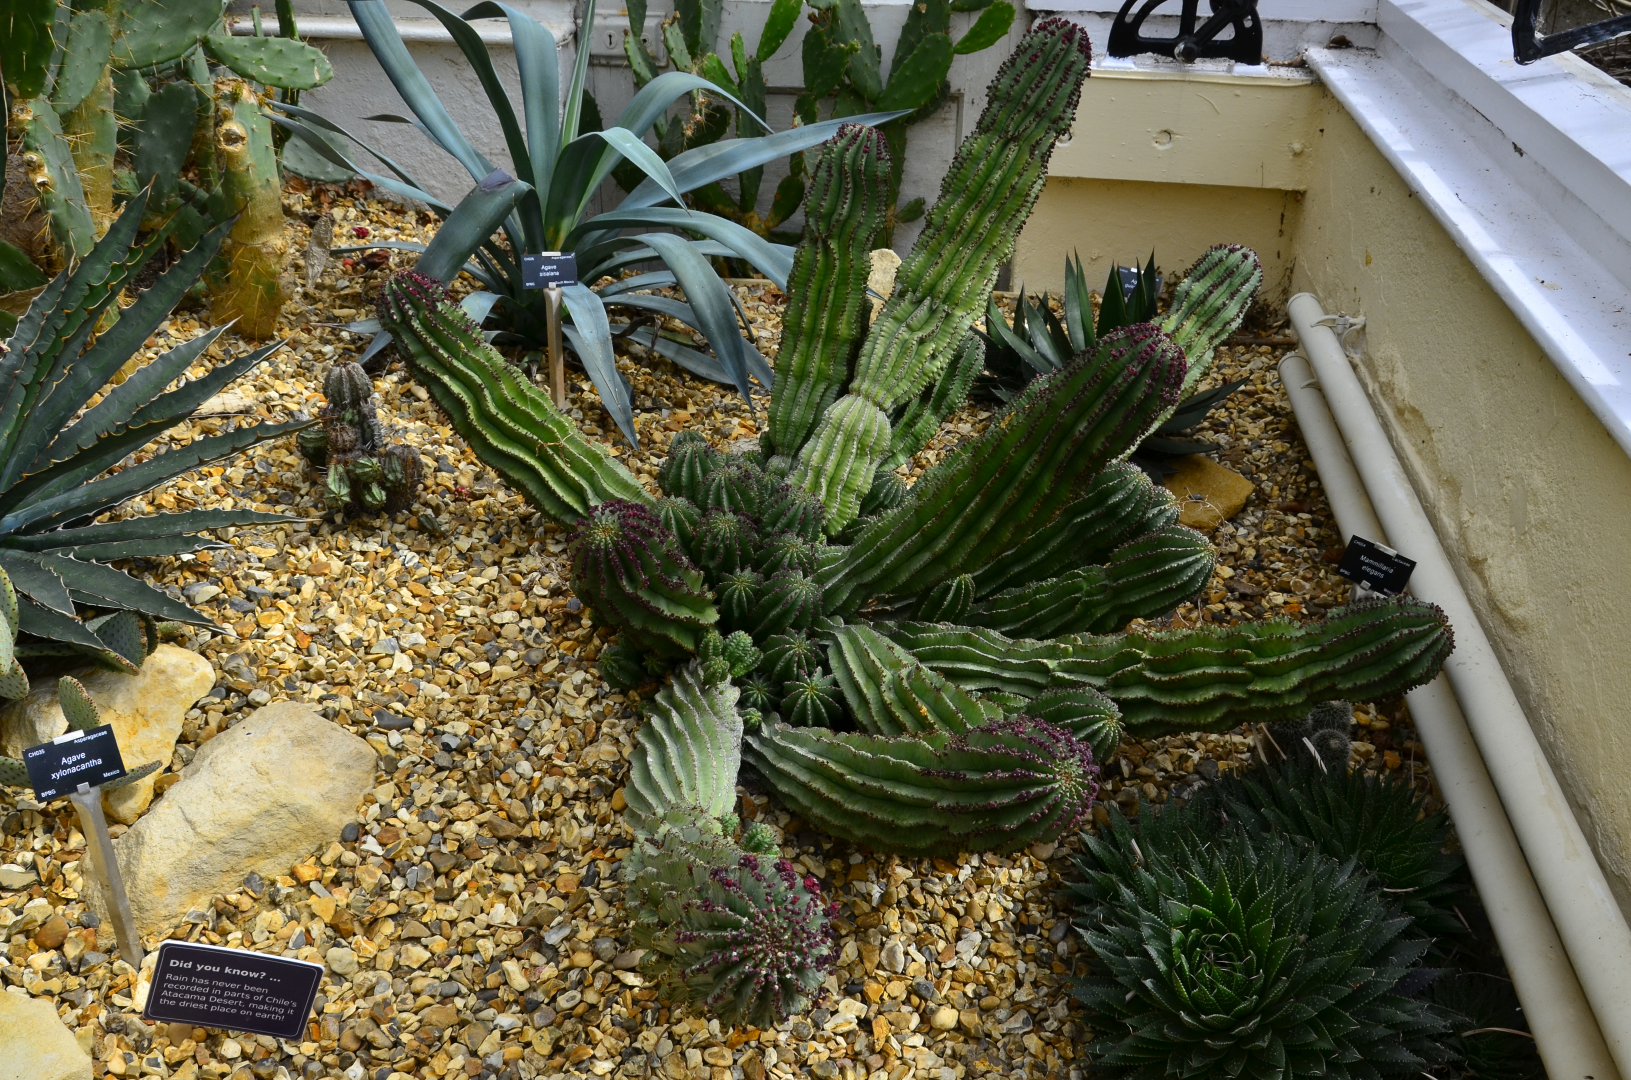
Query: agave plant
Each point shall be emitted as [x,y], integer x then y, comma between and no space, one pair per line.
[62,465]
[1242,954]
[557,162]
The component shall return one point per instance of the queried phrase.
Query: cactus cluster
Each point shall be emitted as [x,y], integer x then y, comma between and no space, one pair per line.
[365,473]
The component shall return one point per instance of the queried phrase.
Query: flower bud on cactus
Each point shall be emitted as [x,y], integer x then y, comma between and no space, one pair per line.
[725,542]
[685,471]
[788,601]
[1000,787]
[631,571]
[812,701]
[790,656]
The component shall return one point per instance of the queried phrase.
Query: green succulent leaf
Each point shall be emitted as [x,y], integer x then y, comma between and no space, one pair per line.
[991,27]
[274,61]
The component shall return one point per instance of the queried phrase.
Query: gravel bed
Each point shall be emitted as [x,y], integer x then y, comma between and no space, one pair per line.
[472,919]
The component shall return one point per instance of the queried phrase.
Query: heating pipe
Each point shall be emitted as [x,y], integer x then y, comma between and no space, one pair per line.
[1563,936]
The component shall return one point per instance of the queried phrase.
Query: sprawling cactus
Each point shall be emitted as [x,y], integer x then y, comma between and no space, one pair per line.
[891,693]
[1144,578]
[510,424]
[942,285]
[634,576]
[844,213]
[1117,505]
[996,788]
[1210,302]
[1010,481]
[1207,679]
[365,473]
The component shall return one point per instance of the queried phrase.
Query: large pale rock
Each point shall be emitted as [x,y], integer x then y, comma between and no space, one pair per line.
[261,796]
[1208,493]
[145,709]
[34,1043]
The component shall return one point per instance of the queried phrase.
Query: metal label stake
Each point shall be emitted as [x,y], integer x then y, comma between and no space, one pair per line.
[550,271]
[94,824]
[557,360]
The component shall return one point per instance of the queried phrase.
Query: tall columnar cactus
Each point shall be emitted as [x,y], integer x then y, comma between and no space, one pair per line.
[1143,578]
[942,285]
[1207,679]
[997,788]
[365,473]
[510,424]
[998,488]
[626,566]
[844,213]
[252,290]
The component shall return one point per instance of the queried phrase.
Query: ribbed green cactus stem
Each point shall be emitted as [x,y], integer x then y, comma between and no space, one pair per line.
[947,602]
[681,517]
[510,424]
[1118,504]
[788,509]
[890,693]
[788,601]
[1214,679]
[994,180]
[628,569]
[252,290]
[1206,679]
[998,488]
[739,932]
[789,656]
[999,787]
[922,417]
[837,464]
[843,213]
[1085,713]
[1210,303]
[686,753]
[1145,578]
[812,701]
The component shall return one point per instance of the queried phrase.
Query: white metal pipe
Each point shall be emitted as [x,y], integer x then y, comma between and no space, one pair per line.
[1588,920]
[1565,1029]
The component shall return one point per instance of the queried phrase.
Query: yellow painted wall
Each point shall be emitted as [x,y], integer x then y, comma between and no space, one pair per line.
[1527,490]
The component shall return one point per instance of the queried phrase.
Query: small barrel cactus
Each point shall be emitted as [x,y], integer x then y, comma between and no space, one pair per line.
[685,471]
[364,473]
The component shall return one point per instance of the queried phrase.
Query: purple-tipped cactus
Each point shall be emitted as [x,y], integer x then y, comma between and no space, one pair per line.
[631,571]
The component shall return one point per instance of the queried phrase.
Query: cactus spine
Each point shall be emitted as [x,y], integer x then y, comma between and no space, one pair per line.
[1011,480]
[635,577]
[943,284]
[996,788]
[844,213]
[252,290]
[510,424]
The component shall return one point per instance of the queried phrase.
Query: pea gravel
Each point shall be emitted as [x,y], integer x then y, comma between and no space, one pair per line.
[471,921]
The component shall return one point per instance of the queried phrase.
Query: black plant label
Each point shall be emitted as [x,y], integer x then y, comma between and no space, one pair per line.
[73,758]
[1379,569]
[232,989]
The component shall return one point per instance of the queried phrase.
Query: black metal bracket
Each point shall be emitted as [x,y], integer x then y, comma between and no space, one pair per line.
[1192,41]
[1529,44]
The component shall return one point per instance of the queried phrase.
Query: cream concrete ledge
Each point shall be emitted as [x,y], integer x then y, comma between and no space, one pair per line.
[344,28]
[1528,169]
